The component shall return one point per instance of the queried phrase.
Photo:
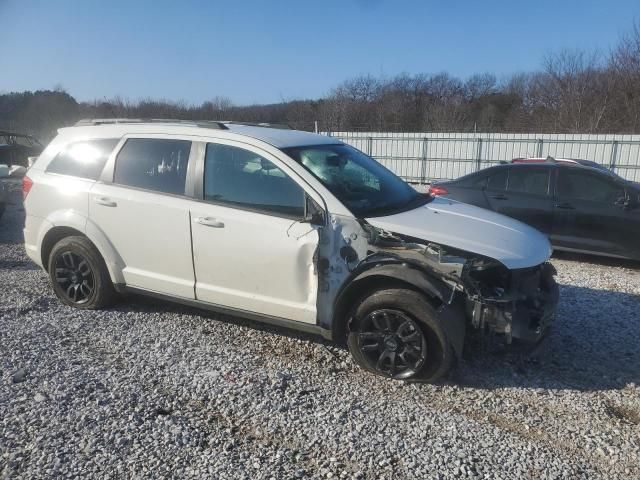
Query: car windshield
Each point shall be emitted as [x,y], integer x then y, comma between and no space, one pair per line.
[363,185]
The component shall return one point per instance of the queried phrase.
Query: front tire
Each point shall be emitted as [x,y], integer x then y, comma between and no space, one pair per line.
[79,275]
[395,333]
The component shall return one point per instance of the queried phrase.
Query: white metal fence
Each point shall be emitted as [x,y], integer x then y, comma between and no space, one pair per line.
[423,157]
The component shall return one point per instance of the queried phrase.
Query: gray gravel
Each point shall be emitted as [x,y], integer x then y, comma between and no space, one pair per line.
[149,389]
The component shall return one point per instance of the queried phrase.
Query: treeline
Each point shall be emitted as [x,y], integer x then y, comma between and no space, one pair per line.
[573,92]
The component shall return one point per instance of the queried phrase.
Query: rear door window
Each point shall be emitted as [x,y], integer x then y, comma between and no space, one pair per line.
[241,178]
[534,181]
[153,164]
[498,180]
[84,159]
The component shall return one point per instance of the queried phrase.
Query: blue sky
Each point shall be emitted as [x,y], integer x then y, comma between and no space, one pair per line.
[267,51]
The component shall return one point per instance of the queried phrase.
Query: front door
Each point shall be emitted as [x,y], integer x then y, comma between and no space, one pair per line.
[252,250]
[589,216]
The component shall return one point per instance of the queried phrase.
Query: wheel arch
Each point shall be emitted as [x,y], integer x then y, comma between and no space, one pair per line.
[384,275]
[58,227]
[53,236]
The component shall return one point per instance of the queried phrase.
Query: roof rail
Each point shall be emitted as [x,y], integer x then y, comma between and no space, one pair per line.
[110,121]
[217,124]
[282,126]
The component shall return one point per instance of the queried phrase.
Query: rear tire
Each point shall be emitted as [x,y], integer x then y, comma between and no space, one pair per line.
[79,275]
[395,333]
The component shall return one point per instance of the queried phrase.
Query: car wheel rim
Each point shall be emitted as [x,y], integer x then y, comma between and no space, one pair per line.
[74,276]
[392,343]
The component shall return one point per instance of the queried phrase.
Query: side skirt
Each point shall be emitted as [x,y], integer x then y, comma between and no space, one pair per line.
[235,312]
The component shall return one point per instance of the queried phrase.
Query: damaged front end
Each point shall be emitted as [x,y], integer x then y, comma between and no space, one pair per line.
[517,303]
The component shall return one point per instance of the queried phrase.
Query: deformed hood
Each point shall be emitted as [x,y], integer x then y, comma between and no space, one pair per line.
[473,229]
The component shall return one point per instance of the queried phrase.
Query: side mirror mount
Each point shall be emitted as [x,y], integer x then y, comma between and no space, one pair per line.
[627,202]
[313,213]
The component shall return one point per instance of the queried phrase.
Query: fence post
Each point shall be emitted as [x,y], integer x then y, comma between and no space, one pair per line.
[423,167]
[369,146]
[479,154]
[539,152]
[614,156]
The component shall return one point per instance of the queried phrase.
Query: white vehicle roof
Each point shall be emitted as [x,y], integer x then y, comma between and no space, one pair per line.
[277,137]
[282,138]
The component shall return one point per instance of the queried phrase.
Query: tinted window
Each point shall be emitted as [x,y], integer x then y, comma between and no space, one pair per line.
[529,180]
[153,164]
[473,181]
[363,185]
[583,185]
[83,159]
[498,181]
[242,178]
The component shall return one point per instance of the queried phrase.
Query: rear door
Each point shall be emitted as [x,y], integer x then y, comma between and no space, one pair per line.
[589,216]
[252,251]
[523,192]
[143,211]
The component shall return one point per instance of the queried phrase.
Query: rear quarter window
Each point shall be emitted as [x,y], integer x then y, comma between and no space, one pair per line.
[473,181]
[83,159]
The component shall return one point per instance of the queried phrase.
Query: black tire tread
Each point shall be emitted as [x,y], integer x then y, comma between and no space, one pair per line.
[419,308]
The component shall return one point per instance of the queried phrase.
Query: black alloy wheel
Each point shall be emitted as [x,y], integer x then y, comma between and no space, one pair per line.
[392,343]
[74,276]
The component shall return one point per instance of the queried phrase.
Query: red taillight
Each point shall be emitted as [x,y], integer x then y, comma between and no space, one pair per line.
[27,183]
[437,190]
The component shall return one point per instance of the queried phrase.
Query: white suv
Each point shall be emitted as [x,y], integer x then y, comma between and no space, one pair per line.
[285,227]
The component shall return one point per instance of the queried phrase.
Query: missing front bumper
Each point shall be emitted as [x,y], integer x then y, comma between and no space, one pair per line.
[530,313]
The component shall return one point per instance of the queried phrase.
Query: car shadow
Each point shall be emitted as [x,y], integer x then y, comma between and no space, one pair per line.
[134,302]
[592,345]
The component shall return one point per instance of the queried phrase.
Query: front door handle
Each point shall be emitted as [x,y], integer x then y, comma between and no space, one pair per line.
[566,206]
[107,202]
[210,222]
[500,197]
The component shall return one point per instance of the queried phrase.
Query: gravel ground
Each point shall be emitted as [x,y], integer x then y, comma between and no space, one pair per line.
[150,389]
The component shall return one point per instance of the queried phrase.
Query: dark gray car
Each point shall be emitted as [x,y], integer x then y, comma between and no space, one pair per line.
[580,208]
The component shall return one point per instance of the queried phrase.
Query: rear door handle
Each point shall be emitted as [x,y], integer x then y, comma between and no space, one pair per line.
[500,197]
[566,206]
[210,222]
[107,202]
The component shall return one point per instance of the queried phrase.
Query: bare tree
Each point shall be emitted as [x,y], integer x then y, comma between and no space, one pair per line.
[574,91]
[625,63]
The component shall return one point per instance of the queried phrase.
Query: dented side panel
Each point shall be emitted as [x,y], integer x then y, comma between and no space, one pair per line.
[343,245]
[350,249]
